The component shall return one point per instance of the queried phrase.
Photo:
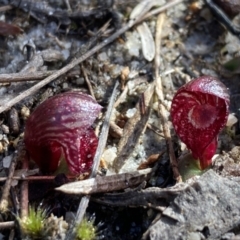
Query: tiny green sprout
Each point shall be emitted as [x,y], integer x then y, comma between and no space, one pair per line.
[32,226]
[86,230]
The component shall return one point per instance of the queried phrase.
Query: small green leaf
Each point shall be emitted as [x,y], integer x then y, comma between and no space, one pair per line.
[189,167]
[233,65]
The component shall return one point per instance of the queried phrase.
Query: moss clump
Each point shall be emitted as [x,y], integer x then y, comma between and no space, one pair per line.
[32,226]
[86,230]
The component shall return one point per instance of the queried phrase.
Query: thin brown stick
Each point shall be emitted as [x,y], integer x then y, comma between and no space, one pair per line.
[5,225]
[6,8]
[161,9]
[82,58]
[24,192]
[22,77]
[159,91]
[12,234]
[134,128]
[33,178]
[7,186]
[101,145]
[87,81]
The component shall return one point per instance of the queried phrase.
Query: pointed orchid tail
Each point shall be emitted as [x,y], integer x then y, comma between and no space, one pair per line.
[199,112]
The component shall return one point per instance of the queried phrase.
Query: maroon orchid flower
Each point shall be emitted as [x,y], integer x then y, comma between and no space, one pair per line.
[62,127]
[199,112]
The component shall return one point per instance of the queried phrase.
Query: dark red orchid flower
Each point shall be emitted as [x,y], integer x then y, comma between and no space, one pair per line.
[62,127]
[199,112]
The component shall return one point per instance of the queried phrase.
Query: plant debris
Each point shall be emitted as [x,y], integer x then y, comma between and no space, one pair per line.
[131,57]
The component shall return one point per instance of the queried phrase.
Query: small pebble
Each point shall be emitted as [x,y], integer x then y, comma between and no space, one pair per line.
[25,112]
[102,57]
[7,161]
[80,81]
[130,112]
[5,129]
[65,85]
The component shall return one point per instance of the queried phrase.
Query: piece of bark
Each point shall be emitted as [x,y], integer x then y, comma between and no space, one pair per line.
[106,183]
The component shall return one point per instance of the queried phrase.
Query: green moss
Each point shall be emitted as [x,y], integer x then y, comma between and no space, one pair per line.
[32,226]
[86,230]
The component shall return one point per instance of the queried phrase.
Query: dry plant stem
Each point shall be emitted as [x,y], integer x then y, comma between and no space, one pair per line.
[122,97]
[146,234]
[15,205]
[24,192]
[162,110]
[68,5]
[7,186]
[6,8]
[154,129]
[96,161]
[75,62]
[134,128]
[116,129]
[167,135]
[104,133]
[149,197]
[22,77]
[161,9]
[159,25]
[12,234]
[34,178]
[6,225]
[87,81]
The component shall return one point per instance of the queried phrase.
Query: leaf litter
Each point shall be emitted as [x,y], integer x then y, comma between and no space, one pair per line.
[193,43]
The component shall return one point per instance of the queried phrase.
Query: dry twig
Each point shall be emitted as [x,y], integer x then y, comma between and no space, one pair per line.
[133,129]
[90,88]
[5,225]
[33,178]
[101,145]
[7,186]
[5,8]
[150,197]
[25,76]
[162,110]
[19,154]
[24,192]
[160,9]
